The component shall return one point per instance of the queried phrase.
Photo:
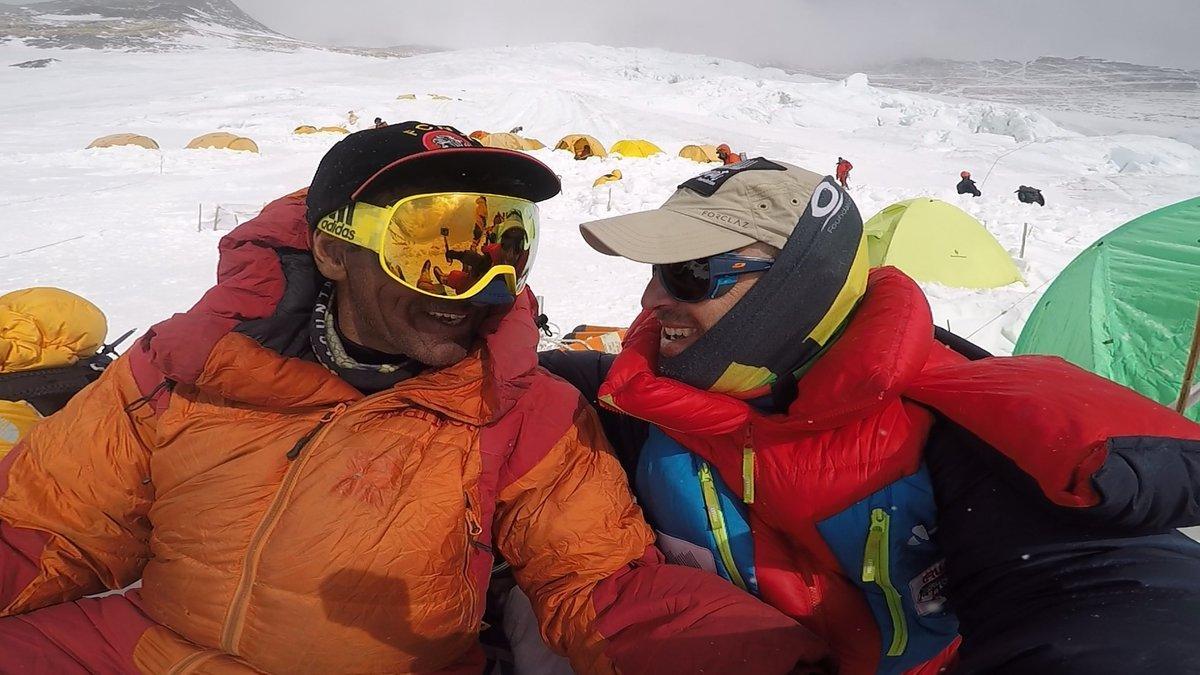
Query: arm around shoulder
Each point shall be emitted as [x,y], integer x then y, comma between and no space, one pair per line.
[582,551]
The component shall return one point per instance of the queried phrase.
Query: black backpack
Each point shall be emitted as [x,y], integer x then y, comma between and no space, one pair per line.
[49,389]
[1030,195]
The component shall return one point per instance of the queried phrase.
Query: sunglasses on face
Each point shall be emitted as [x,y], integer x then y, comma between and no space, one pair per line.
[707,278]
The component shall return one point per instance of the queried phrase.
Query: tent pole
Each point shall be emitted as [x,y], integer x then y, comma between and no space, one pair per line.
[1190,371]
[1024,234]
[199,215]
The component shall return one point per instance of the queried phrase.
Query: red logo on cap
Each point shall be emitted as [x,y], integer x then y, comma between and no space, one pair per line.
[440,140]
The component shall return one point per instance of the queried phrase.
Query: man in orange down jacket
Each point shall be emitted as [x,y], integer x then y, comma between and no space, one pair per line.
[312,469]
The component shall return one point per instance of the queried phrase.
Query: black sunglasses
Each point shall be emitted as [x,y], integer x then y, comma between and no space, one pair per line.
[707,278]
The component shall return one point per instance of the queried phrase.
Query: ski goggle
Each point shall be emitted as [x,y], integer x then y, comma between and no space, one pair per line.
[447,245]
[707,278]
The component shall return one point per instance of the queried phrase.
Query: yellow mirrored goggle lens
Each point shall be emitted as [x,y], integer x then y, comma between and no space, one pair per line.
[448,245]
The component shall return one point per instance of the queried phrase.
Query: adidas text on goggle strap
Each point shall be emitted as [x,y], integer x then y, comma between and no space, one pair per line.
[447,245]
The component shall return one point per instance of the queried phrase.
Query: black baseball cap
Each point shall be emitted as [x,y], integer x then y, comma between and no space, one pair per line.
[416,150]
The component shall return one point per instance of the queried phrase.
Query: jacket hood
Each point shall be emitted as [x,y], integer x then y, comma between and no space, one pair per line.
[245,338]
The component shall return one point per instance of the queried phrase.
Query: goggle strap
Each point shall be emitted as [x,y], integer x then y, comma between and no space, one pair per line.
[358,223]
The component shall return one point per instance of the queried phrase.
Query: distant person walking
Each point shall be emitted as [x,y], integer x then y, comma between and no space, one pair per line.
[379,123]
[966,186]
[843,172]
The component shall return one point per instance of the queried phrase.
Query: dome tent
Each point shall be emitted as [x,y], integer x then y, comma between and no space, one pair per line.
[305,129]
[1125,308]
[700,153]
[222,140]
[931,240]
[583,141]
[510,142]
[634,148]
[333,130]
[114,140]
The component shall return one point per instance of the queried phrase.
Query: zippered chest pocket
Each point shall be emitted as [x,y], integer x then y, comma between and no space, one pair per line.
[886,545]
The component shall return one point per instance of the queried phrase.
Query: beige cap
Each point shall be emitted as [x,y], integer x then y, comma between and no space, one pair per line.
[718,211]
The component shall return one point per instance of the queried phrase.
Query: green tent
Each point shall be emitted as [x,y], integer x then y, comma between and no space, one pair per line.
[931,240]
[1126,307]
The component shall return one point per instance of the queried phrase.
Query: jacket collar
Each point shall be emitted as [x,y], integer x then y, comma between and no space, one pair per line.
[883,348]
[205,348]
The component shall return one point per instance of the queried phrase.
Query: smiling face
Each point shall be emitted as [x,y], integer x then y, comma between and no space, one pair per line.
[374,311]
[684,323]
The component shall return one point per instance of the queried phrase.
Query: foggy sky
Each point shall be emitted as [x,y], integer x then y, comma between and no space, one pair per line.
[816,34]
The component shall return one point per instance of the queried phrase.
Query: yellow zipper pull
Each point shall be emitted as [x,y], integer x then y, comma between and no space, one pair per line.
[716,518]
[716,524]
[748,470]
[876,570]
[870,571]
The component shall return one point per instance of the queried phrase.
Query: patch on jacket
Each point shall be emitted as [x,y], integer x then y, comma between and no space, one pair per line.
[928,589]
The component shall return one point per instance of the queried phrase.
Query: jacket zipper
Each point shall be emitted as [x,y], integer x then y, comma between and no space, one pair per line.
[241,594]
[716,524]
[190,662]
[473,529]
[875,570]
[748,467]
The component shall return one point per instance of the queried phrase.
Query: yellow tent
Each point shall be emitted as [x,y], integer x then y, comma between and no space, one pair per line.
[406,97]
[931,240]
[222,140]
[334,130]
[114,140]
[305,129]
[582,144]
[439,97]
[700,153]
[635,148]
[608,178]
[511,142]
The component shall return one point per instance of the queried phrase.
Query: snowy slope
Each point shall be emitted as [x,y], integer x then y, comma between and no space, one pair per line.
[120,225]
[1091,95]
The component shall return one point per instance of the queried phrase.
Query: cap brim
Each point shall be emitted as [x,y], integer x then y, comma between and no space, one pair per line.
[491,170]
[660,237]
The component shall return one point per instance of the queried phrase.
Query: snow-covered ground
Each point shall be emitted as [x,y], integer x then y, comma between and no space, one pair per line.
[1093,96]
[120,225]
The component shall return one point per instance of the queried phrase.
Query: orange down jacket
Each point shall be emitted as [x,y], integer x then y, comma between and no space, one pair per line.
[283,522]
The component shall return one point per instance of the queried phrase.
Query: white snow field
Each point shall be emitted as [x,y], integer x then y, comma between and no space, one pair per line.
[120,225]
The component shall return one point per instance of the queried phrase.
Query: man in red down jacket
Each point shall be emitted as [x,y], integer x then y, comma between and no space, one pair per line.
[311,470]
[843,172]
[793,422]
